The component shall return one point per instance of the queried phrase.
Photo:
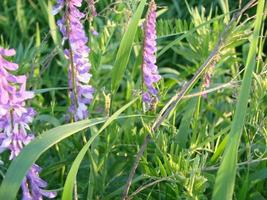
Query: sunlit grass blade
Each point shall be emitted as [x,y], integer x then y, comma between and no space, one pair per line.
[40,91]
[225,8]
[225,180]
[125,48]
[30,153]
[69,184]
[219,150]
[52,24]
[47,9]
[21,17]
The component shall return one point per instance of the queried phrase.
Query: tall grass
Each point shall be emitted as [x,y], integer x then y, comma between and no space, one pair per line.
[191,155]
[225,180]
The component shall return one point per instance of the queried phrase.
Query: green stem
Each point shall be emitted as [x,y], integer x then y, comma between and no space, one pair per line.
[73,71]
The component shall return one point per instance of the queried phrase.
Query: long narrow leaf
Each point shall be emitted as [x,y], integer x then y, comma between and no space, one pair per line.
[52,24]
[21,17]
[19,167]
[225,180]
[125,48]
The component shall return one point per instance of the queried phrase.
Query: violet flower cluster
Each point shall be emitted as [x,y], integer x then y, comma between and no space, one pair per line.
[71,27]
[149,67]
[14,120]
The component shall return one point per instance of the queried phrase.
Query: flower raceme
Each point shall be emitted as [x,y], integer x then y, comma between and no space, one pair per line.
[72,30]
[149,67]
[14,120]
[92,8]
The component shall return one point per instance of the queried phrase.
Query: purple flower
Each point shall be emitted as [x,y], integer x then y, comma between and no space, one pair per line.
[81,93]
[14,120]
[92,8]
[149,67]
[208,76]
[94,32]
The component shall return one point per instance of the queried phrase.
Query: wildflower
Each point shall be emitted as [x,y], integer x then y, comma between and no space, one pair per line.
[14,120]
[208,74]
[81,93]
[94,32]
[207,77]
[149,67]
[92,8]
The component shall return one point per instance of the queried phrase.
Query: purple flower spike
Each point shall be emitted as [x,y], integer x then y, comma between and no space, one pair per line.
[81,93]
[14,120]
[149,67]
[92,8]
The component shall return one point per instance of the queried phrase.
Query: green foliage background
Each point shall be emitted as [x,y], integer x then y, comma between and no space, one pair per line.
[186,152]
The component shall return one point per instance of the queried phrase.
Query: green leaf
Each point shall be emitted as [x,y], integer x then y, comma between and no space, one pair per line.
[48,118]
[21,17]
[30,153]
[40,91]
[69,183]
[243,193]
[52,24]
[225,180]
[219,150]
[125,48]
[184,128]
[259,175]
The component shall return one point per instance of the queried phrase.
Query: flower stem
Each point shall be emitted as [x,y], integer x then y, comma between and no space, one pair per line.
[73,71]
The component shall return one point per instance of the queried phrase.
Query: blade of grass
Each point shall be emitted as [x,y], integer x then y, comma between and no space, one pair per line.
[52,23]
[125,48]
[219,150]
[184,129]
[225,8]
[245,188]
[70,181]
[32,152]
[40,91]
[225,180]
[21,17]
[46,8]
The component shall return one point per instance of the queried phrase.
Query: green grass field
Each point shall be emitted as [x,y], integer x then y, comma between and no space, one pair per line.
[197,142]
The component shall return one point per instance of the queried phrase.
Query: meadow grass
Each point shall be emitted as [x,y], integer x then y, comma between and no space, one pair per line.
[204,143]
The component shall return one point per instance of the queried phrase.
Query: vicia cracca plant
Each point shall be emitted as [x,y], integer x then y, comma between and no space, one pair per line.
[77,53]
[15,118]
[133,99]
[149,67]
